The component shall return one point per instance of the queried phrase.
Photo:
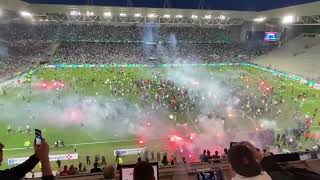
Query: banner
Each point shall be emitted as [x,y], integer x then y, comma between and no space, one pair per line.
[15,161]
[125,152]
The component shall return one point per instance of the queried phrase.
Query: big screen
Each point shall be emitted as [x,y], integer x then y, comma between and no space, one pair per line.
[271,36]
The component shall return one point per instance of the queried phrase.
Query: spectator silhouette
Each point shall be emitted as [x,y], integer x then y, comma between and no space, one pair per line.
[95,168]
[225,153]
[216,157]
[59,164]
[203,156]
[165,161]
[65,171]
[80,167]
[158,156]
[143,171]
[109,172]
[152,156]
[103,160]
[88,159]
[243,162]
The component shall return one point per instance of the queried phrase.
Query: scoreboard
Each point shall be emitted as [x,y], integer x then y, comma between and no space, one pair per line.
[271,36]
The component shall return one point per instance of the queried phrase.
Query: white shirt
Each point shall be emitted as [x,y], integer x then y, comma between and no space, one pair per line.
[262,176]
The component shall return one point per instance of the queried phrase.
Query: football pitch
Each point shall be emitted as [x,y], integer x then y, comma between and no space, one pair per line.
[98,110]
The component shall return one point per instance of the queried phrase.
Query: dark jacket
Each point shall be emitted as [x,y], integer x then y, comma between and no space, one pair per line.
[95,170]
[19,171]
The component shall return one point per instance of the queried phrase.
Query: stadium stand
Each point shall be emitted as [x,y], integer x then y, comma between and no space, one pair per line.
[49,32]
[85,43]
[299,55]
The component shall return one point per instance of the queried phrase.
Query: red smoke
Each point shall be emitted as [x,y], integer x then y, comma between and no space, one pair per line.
[50,85]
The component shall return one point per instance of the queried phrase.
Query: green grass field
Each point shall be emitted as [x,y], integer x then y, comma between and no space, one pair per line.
[99,83]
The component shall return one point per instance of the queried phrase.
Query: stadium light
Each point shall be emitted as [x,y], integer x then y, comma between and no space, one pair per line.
[179,16]
[259,19]
[152,15]
[288,19]
[137,15]
[222,17]
[167,16]
[25,14]
[207,17]
[89,13]
[123,15]
[194,16]
[75,13]
[107,14]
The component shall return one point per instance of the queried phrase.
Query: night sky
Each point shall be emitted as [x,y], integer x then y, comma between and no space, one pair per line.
[241,5]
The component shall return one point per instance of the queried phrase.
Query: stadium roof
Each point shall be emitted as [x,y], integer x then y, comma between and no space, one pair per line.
[230,9]
[234,5]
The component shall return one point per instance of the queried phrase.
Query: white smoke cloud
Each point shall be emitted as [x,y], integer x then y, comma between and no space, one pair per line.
[94,113]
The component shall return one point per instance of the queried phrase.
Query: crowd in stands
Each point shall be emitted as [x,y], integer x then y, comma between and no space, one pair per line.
[20,58]
[27,44]
[137,53]
[56,32]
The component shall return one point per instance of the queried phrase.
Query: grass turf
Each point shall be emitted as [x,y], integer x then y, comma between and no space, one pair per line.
[90,82]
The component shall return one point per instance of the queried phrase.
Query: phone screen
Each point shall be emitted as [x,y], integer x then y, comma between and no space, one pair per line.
[215,174]
[38,136]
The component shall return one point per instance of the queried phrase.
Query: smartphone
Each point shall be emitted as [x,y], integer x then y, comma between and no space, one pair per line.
[38,136]
[214,174]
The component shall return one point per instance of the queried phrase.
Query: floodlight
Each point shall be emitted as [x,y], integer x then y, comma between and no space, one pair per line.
[75,13]
[167,16]
[25,14]
[123,15]
[179,16]
[259,19]
[222,17]
[137,15]
[194,16]
[89,13]
[152,15]
[207,17]
[288,19]
[107,14]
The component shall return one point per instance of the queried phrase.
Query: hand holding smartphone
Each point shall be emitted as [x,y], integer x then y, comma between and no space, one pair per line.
[38,136]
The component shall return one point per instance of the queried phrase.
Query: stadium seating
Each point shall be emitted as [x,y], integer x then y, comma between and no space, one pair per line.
[31,44]
[101,33]
[298,55]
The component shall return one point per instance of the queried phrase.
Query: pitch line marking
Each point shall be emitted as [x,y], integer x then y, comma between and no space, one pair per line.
[90,143]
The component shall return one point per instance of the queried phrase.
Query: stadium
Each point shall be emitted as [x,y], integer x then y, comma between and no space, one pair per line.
[108,82]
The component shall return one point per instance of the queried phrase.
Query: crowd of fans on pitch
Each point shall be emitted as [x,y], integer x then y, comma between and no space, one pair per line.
[28,44]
